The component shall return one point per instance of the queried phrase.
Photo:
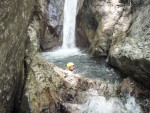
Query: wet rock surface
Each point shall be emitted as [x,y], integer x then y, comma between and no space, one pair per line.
[53,34]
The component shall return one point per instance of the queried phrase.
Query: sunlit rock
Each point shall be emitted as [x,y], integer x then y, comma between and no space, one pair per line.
[101,21]
[41,90]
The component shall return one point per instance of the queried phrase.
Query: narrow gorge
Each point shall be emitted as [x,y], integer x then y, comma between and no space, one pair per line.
[108,40]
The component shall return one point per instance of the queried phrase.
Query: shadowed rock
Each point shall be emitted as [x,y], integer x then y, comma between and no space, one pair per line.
[14,20]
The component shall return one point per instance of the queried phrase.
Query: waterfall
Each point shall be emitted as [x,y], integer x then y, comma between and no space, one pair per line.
[69,24]
[68,46]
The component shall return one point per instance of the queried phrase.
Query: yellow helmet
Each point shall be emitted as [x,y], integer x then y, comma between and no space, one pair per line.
[69,64]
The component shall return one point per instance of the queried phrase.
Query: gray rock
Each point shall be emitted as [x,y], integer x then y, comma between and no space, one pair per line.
[86,26]
[131,54]
[42,93]
[14,21]
[103,20]
[48,21]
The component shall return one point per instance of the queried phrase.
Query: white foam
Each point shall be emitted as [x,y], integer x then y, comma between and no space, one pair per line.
[132,106]
[99,104]
[62,53]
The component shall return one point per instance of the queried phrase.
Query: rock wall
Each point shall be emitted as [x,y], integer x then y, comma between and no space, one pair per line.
[48,21]
[41,92]
[14,19]
[82,40]
[86,25]
[131,54]
[101,20]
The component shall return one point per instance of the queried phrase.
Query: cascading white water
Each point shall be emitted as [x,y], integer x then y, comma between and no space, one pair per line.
[99,104]
[68,46]
[69,24]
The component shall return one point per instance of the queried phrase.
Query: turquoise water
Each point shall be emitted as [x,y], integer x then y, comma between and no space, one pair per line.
[86,66]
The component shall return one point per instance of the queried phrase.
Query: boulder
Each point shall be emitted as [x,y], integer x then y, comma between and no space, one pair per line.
[42,88]
[131,54]
[41,82]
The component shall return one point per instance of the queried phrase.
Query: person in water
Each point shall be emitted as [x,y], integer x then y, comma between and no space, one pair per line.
[70,68]
[70,76]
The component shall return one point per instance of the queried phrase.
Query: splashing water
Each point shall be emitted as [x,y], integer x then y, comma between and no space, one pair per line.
[61,54]
[69,24]
[99,104]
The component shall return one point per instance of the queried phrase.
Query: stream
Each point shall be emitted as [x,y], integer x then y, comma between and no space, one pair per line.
[94,68]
